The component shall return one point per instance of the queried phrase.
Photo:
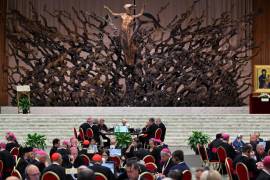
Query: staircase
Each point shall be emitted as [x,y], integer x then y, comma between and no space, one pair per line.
[179,127]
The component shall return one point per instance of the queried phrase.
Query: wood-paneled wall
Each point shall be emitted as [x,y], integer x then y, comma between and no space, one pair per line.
[261,32]
[3,59]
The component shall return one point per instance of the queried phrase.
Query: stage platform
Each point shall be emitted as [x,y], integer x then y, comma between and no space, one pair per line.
[180,122]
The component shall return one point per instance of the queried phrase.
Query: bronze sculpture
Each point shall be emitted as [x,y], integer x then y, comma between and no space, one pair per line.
[127,30]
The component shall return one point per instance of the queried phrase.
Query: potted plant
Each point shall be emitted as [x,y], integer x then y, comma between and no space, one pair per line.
[197,137]
[24,104]
[123,139]
[36,141]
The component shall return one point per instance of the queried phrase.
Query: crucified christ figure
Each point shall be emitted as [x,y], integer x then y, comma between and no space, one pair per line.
[127,29]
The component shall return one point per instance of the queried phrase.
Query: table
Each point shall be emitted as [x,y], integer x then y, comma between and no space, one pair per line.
[256,106]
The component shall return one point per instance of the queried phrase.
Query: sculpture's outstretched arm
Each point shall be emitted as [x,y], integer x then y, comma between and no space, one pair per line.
[110,11]
[141,13]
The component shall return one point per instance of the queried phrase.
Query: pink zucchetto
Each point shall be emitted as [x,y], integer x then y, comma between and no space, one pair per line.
[225,136]
[66,143]
[266,162]
[166,151]
[41,153]
[10,135]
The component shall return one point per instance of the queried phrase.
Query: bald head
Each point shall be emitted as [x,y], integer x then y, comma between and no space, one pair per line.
[124,122]
[86,174]
[32,172]
[12,178]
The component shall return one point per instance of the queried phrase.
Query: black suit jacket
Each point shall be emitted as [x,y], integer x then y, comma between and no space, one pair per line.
[104,170]
[22,164]
[229,150]
[8,162]
[65,156]
[214,144]
[263,176]
[59,170]
[151,130]
[53,150]
[11,145]
[104,127]
[94,128]
[163,128]
[166,166]
[249,162]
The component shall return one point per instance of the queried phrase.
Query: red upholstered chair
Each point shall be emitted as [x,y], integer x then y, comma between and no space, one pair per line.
[186,175]
[116,160]
[16,173]
[151,167]
[89,133]
[86,160]
[49,175]
[221,153]
[242,171]
[15,158]
[158,133]
[148,159]
[81,134]
[75,133]
[1,167]
[14,151]
[147,176]
[100,176]
[204,157]
[229,167]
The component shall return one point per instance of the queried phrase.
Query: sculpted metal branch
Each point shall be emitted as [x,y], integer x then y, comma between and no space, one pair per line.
[183,63]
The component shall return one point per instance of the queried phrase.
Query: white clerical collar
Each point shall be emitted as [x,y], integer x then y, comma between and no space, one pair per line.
[181,162]
[266,171]
[56,163]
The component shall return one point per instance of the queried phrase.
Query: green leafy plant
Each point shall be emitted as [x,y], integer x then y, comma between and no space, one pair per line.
[36,141]
[24,104]
[197,137]
[123,139]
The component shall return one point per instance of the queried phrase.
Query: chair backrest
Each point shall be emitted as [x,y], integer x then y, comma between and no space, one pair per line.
[116,160]
[229,167]
[86,160]
[89,133]
[14,151]
[49,175]
[81,134]
[221,153]
[186,175]
[151,167]
[202,152]
[16,173]
[147,176]
[242,171]
[100,176]
[158,133]
[75,133]
[1,166]
[148,159]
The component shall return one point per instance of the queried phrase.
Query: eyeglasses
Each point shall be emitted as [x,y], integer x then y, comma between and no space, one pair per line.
[36,174]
